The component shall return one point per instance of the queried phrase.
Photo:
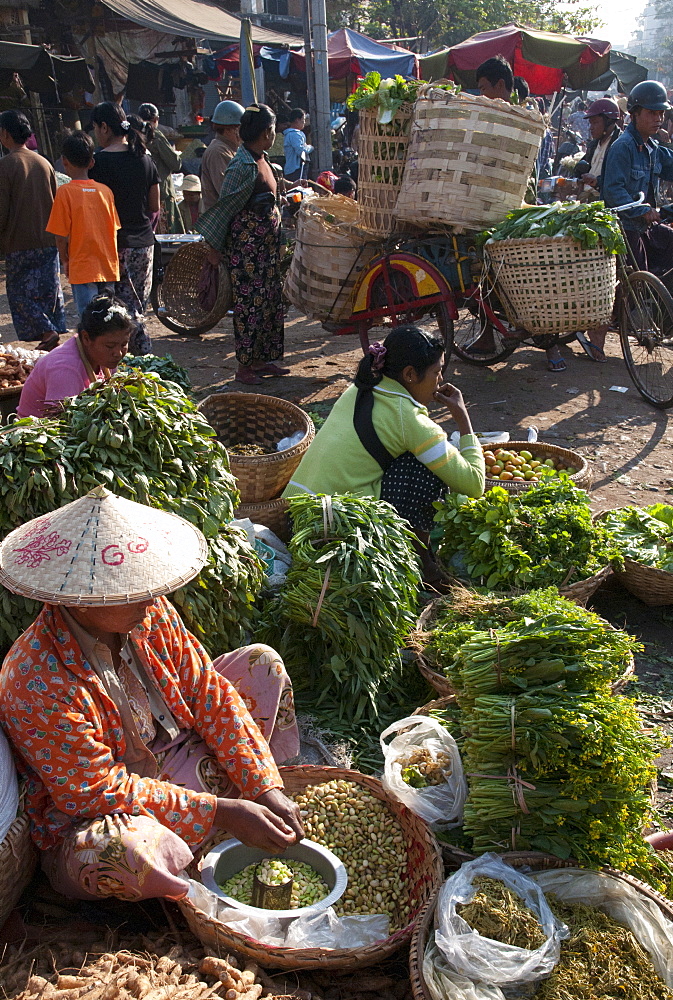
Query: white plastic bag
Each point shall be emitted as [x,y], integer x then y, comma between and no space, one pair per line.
[443,983]
[482,959]
[441,805]
[9,787]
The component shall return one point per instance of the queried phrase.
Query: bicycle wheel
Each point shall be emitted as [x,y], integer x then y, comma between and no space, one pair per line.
[477,341]
[646,332]
[402,293]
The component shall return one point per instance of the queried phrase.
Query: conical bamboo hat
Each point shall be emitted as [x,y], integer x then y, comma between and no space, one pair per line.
[101,549]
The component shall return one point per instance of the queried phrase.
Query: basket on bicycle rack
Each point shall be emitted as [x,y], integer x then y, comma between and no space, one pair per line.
[382,154]
[548,285]
[329,254]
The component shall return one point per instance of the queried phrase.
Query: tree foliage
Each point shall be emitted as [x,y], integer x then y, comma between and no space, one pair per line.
[446,22]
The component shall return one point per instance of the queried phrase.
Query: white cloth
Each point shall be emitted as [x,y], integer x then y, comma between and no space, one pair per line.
[9,787]
[597,159]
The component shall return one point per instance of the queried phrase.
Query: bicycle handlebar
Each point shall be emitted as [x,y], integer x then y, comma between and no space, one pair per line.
[631,204]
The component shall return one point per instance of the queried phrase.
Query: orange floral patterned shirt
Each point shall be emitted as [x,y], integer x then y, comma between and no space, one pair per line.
[68,736]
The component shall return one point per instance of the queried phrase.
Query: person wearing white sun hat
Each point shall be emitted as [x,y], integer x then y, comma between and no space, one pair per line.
[135,745]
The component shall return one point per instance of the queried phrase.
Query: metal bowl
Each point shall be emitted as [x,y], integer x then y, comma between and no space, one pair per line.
[231,857]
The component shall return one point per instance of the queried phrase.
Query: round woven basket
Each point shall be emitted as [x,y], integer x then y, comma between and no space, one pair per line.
[382,154]
[274,514]
[549,285]
[424,876]
[469,160]
[18,858]
[329,253]
[522,859]
[650,585]
[581,591]
[250,418]
[178,292]
[540,452]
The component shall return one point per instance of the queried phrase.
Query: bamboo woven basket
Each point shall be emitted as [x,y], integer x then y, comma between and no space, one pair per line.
[250,418]
[540,452]
[469,160]
[274,514]
[650,585]
[581,591]
[522,859]
[382,154]
[179,289]
[330,252]
[424,876]
[549,285]
[18,858]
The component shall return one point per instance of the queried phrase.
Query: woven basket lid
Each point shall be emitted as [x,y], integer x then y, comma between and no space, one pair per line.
[101,549]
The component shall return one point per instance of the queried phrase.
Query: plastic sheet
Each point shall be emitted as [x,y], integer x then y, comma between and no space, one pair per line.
[441,805]
[317,930]
[9,787]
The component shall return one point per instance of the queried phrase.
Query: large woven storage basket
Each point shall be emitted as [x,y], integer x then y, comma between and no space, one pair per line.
[382,154]
[250,418]
[549,285]
[650,585]
[424,876]
[329,253]
[469,160]
[534,862]
[273,514]
[179,289]
[18,858]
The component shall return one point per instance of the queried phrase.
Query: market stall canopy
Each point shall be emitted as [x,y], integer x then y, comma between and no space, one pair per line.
[624,69]
[44,72]
[195,19]
[540,57]
[351,54]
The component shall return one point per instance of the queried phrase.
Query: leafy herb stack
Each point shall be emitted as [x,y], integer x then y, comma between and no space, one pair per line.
[144,440]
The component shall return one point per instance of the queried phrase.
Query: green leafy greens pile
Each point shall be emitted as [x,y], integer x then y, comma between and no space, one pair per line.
[591,225]
[342,616]
[164,367]
[386,95]
[537,538]
[644,534]
[144,440]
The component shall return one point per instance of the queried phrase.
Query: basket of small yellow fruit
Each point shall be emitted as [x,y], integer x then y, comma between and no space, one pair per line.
[520,464]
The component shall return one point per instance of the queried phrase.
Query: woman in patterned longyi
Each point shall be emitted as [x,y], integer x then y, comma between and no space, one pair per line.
[136,747]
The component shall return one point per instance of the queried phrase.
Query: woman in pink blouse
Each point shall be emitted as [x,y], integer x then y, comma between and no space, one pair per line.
[101,343]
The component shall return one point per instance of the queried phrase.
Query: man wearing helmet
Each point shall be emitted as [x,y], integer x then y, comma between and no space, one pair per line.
[603,117]
[217,157]
[636,164]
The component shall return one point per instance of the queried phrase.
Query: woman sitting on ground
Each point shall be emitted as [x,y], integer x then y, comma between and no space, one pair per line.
[379,440]
[136,746]
[101,343]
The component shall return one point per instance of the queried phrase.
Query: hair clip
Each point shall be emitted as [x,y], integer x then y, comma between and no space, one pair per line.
[126,125]
[378,353]
[253,107]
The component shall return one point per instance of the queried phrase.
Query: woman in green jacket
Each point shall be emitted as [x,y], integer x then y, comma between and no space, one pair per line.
[380,441]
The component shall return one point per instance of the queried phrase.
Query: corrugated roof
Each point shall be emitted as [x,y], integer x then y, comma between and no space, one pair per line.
[195,19]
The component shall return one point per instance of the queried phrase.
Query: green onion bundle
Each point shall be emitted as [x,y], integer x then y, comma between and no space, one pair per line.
[348,603]
[144,440]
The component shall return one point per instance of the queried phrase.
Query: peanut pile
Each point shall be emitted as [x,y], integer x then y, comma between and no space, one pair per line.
[367,838]
[420,768]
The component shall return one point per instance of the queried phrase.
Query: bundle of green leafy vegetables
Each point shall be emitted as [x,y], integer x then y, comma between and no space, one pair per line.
[164,367]
[644,534]
[387,95]
[591,225]
[144,440]
[347,605]
[541,537]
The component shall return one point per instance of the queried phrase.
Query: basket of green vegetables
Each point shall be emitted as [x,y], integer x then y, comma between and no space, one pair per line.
[644,538]
[555,266]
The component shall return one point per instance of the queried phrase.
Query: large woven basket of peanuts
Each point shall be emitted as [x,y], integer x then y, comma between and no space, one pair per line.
[393,862]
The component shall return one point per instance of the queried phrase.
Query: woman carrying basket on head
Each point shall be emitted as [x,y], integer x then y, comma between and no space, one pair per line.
[379,440]
[244,225]
[135,745]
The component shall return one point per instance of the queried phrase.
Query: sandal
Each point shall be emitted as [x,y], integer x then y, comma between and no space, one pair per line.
[247,376]
[556,365]
[592,350]
[271,369]
[49,344]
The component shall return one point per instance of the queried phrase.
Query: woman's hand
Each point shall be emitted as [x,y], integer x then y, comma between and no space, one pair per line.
[451,397]
[278,803]
[213,256]
[255,825]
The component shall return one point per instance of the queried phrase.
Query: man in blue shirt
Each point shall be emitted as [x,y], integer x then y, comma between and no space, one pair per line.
[635,164]
[296,148]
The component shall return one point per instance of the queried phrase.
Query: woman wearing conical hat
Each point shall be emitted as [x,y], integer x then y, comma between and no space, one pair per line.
[136,747]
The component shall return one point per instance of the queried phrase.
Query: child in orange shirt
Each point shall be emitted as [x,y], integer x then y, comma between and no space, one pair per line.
[84,221]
